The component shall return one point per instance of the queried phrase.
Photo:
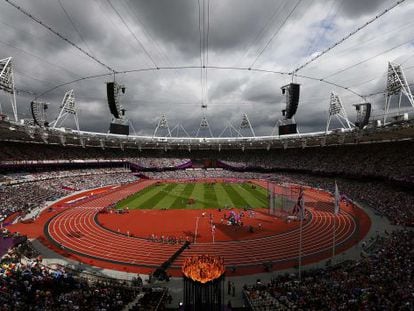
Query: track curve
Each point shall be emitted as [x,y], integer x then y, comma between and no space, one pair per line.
[76,231]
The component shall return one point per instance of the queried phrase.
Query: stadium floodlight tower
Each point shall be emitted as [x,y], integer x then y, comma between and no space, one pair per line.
[396,85]
[231,130]
[177,128]
[7,83]
[336,109]
[204,125]
[287,125]
[246,126]
[67,108]
[162,127]
[119,123]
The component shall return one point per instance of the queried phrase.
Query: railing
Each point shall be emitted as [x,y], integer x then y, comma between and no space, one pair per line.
[164,293]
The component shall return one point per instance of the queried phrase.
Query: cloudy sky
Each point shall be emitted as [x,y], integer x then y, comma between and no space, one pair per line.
[275,35]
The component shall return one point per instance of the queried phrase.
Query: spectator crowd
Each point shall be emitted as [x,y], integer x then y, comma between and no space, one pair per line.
[380,280]
[25,192]
[388,160]
[158,163]
[391,161]
[383,280]
[202,173]
[27,284]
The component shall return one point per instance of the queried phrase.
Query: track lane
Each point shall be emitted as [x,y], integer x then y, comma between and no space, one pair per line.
[76,230]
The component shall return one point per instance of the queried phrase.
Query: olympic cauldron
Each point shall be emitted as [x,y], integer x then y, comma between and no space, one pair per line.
[203,283]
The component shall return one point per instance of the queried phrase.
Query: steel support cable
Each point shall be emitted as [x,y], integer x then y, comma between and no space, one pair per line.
[59,35]
[320,34]
[204,32]
[158,48]
[21,91]
[330,83]
[208,28]
[406,60]
[73,81]
[40,58]
[102,75]
[348,36]
[260,34]
[109,17]
[147,34]
[367,59]
[206,50]
[132,33]
[201,51]
[373,79]
[159,51]
[374,40]
[276,33]
[383,76]
[209,67]
[74,26]
[19,73]
[384,91]
[367,81]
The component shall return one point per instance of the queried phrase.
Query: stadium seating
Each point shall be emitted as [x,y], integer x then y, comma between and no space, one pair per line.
[26,284]
[381,279]
[25,192]
[389,160]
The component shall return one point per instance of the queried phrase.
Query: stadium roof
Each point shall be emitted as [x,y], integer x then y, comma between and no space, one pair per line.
[204,53]
[19,133]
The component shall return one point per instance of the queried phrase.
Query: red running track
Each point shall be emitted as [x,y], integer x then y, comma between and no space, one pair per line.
[76,231]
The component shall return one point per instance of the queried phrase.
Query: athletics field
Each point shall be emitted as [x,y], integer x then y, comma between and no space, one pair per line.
[197,196]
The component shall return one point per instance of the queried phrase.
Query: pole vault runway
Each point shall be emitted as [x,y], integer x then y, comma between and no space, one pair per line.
[76,230]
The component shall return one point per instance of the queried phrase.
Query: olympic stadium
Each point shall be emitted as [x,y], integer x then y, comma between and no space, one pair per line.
[206,155]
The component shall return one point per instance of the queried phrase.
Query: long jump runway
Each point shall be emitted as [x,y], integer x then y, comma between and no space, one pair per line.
[76,230]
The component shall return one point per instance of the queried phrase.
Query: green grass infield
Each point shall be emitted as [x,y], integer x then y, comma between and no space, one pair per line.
[197,196]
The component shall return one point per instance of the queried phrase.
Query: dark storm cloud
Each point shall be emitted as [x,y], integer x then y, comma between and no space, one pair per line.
[233,24]
[263,91]
[175,22]
[169,31]
[356,8]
